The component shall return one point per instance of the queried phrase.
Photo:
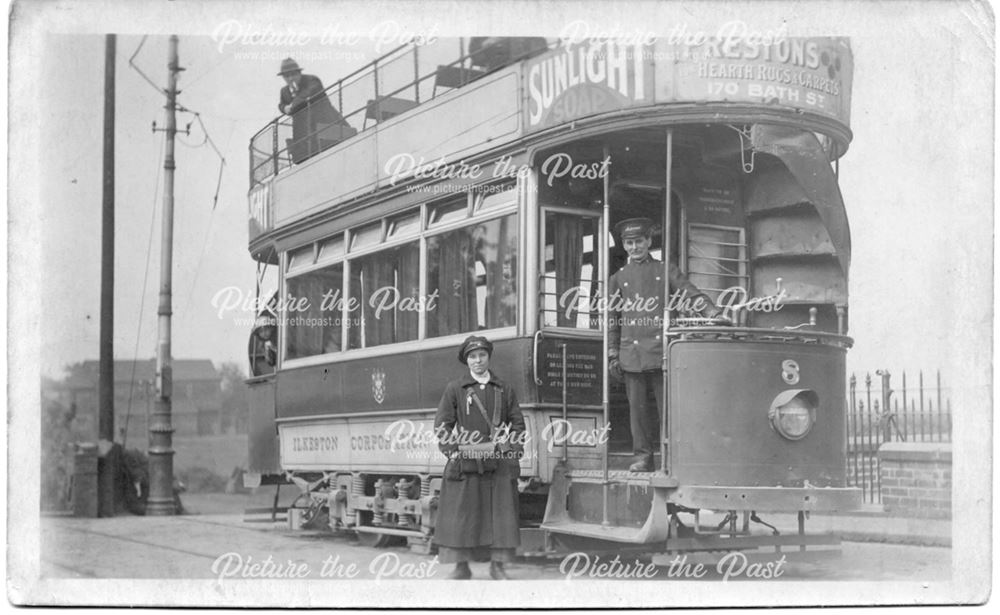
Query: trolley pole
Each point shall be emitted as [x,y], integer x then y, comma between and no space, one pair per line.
[161,454]
[107,466]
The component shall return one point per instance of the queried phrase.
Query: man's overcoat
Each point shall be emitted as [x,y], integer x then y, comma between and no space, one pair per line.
[312,113]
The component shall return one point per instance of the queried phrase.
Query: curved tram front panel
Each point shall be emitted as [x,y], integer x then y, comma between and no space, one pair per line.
[756,426]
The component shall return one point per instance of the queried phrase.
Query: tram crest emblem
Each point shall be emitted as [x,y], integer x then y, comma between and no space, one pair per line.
[378,385]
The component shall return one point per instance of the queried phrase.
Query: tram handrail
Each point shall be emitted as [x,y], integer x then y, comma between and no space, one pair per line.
[845,340]
[377,97]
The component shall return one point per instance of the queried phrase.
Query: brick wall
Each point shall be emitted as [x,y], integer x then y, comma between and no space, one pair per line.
[916,478]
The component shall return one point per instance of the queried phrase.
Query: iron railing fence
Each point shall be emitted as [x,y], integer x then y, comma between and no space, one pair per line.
[877,413]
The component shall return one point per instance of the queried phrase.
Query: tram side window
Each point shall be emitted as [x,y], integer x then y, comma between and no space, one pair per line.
[570,283]
[716,258]
[380,285]
[473,273]
[313,330]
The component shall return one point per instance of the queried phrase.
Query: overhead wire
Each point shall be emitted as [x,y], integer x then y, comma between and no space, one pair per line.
[208,232]
[142,292]
[139,70]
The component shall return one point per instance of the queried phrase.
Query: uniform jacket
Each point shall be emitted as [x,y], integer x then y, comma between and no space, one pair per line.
[458,416]
[479,506]
[311,112]
[636,320]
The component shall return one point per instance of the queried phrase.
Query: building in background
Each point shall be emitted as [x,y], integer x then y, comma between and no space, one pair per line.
[196,401]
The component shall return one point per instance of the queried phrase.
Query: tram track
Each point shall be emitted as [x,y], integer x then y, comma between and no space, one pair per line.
[139,542]
[64,566]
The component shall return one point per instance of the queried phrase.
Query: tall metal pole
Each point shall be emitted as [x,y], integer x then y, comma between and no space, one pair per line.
[161,460]
[106,382]
[665,427]
[107,467]
[603,265]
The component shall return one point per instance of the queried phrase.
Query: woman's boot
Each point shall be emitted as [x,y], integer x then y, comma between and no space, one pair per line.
[461,571]
[497,572]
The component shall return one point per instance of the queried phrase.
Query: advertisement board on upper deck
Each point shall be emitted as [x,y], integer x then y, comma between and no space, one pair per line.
[587,78]
[806,74]
[584,79]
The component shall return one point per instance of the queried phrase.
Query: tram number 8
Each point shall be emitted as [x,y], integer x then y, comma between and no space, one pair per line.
[790,371]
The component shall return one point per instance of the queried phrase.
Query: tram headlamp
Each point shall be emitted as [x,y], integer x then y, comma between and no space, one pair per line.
[793,413]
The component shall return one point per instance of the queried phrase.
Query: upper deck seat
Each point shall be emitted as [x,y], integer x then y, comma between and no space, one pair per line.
[455,76]
[386,107]
[494,52]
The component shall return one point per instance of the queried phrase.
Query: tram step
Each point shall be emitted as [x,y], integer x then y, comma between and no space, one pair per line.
[650,479]
[709,542]
[391,531]
[613,533]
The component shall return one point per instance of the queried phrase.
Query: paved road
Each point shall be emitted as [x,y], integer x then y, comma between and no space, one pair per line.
[215,542]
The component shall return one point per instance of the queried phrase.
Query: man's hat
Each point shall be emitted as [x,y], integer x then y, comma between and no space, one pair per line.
[474,342]
[634,227]
[289,65]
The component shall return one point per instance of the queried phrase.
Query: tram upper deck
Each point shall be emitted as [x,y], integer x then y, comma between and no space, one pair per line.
[448,110]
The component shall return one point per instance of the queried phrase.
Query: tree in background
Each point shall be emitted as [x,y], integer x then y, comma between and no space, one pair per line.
[56,449]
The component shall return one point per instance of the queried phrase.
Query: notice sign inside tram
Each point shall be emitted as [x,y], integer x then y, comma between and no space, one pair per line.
[811,74]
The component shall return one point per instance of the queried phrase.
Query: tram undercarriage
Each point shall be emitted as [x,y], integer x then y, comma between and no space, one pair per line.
[647,514]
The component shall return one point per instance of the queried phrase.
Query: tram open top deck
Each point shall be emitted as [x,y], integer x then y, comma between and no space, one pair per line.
[428,112]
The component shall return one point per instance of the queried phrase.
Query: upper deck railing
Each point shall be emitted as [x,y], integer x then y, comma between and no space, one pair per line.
[392,84]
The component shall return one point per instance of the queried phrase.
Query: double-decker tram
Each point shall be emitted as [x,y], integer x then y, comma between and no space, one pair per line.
[476,192]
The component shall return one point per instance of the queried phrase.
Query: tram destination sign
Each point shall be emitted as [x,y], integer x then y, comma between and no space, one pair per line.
[581,80]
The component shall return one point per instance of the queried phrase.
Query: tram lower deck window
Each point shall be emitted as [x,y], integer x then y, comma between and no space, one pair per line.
[473,273]
[314,325]
[379,286]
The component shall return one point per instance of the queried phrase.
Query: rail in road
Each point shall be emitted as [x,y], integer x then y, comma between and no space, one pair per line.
[188,546]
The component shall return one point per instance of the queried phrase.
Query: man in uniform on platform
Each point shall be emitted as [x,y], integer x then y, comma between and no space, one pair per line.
[635,347]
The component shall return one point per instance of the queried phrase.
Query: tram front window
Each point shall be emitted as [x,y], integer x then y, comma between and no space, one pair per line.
[716,259]
[472,271]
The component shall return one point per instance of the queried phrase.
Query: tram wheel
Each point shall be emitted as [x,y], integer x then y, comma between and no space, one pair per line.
[377,541]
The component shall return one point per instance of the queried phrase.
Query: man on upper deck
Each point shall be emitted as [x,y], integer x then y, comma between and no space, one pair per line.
[635,347]
[316,125]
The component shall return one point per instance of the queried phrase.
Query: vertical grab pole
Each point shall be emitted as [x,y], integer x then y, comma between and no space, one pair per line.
[665,365]
[565,407]
[602,246]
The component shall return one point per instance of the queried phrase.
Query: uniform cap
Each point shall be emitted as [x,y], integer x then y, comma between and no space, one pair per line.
[289,65]
[474,342]
[634,227]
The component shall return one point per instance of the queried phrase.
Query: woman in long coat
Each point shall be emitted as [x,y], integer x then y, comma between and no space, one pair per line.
[480,429]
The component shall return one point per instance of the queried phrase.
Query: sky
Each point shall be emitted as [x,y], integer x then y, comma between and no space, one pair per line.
[915,180]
